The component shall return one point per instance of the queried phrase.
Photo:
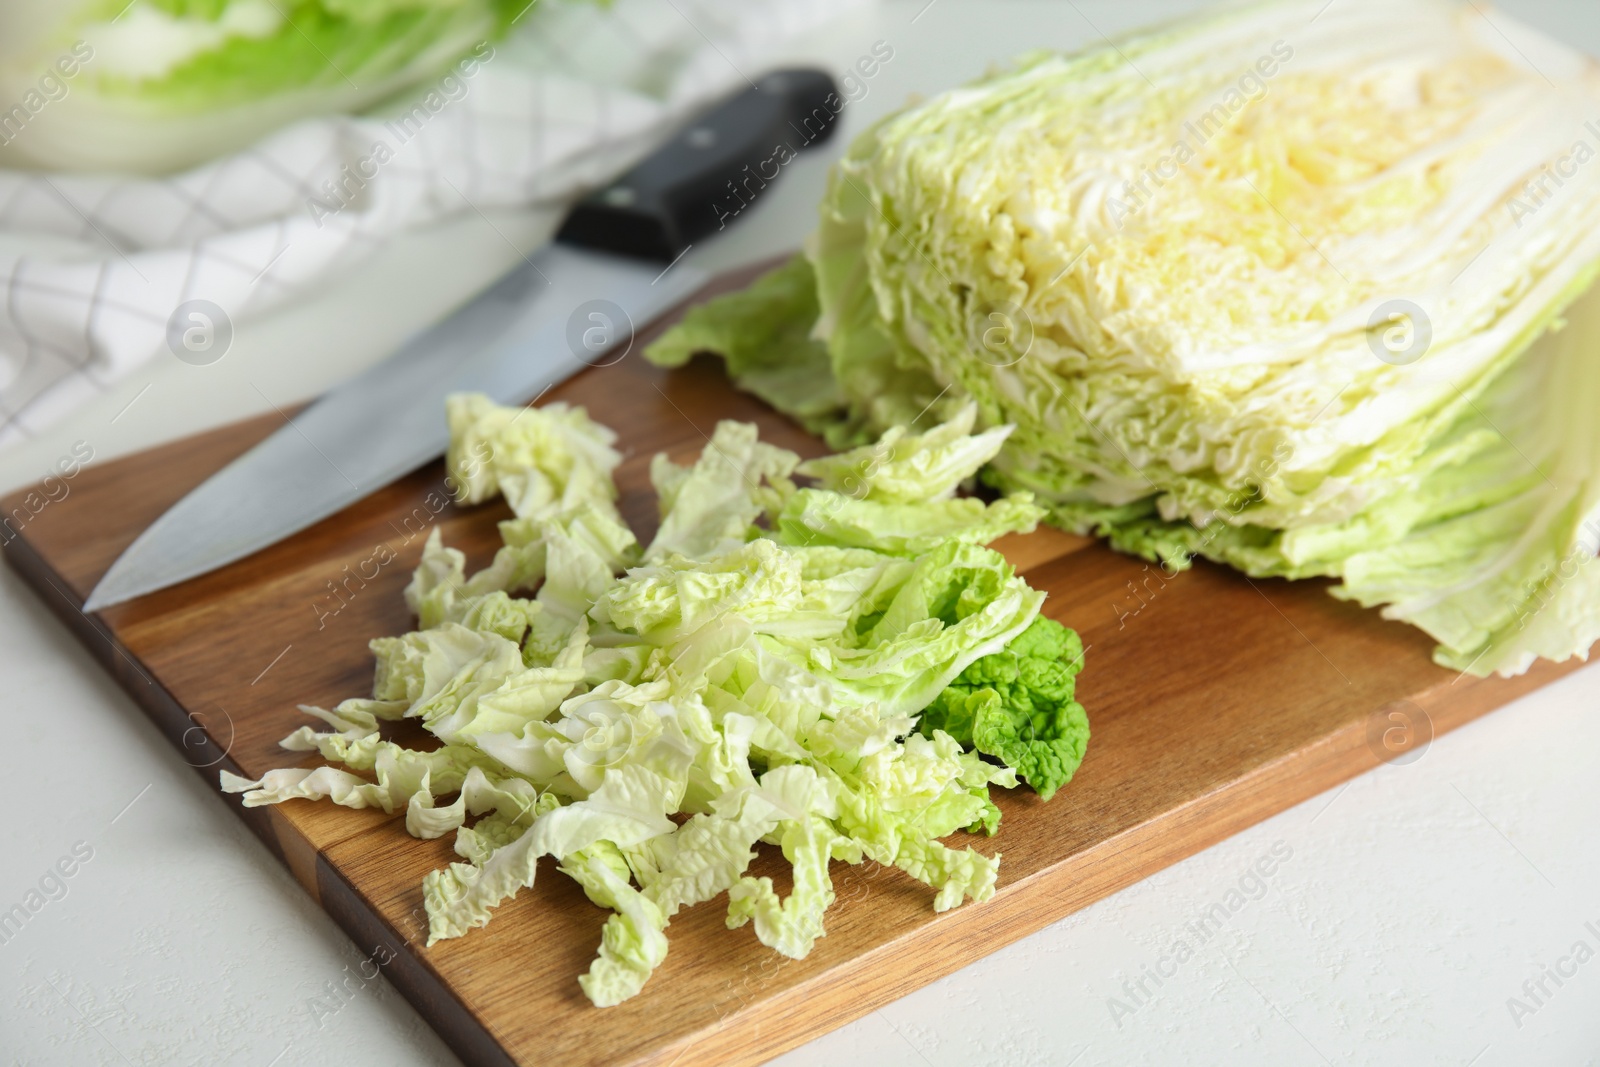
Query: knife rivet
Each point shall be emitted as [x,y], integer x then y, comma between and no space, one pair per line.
[619,196]
[701,137]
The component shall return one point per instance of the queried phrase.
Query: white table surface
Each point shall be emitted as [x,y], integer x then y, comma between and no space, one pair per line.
[1414,904]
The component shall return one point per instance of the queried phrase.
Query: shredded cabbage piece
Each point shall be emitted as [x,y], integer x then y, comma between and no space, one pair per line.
[646,719]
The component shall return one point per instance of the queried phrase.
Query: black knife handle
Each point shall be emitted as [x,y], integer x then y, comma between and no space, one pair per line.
[719,163]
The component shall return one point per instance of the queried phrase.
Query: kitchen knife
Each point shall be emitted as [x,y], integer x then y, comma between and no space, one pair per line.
[570,305]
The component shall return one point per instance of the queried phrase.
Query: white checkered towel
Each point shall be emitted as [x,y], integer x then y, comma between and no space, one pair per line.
[574,95]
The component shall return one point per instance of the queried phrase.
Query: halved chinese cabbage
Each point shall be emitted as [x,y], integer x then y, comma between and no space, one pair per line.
[1262,287]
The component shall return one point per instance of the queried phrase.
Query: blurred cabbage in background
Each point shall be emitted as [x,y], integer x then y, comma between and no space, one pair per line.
[154,86]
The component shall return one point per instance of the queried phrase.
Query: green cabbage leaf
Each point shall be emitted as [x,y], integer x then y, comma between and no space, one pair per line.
[1017,704]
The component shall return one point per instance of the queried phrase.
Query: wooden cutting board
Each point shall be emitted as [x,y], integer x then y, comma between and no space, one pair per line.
[1214,702]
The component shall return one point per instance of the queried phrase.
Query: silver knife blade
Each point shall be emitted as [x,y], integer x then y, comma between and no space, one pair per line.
[511,342]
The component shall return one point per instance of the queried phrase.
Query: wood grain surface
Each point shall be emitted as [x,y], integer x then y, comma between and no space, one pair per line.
[1214,702]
